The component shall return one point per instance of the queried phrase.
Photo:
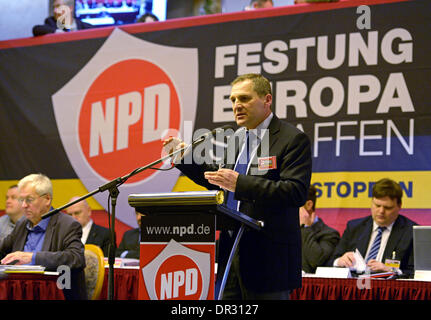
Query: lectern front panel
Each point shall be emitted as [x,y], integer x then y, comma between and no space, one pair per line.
[177,257]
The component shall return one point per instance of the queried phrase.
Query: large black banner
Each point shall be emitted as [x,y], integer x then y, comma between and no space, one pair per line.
[91,106]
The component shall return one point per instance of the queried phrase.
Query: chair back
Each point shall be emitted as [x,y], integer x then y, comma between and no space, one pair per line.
[94,271]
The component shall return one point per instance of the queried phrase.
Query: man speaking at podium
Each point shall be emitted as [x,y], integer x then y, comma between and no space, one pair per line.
[267,181]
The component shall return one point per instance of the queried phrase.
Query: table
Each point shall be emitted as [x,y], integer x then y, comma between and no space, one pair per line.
[44,287]
[37,286]
[126,287]
[30,286]
[125,284]
[355,289]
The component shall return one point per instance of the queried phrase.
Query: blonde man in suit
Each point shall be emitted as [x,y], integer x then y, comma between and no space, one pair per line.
[50,242]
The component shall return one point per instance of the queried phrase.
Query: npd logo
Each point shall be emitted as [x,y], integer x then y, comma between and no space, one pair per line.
[124,114]
[178,278]
[112,115]
[177,273]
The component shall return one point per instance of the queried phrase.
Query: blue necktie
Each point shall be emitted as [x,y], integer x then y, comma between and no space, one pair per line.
[240,167]
[376,245]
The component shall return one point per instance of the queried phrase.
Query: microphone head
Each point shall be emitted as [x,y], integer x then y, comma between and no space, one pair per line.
[213,132]
[223,128]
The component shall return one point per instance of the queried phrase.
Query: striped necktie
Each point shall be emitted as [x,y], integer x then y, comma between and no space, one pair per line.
[240,167]
[376,245]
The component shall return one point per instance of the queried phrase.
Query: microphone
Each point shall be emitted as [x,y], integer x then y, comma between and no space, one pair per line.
[183,151]
[212,132]
[120,180]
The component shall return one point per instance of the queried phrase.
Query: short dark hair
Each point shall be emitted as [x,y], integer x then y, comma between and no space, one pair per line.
[312,195]
[261,85]
[387,188]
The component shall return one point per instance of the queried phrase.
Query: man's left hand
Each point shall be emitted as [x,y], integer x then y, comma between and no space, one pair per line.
[20,256]
[378,266]
[224,178]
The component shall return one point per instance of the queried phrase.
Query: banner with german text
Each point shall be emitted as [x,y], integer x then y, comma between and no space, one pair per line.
[89,106]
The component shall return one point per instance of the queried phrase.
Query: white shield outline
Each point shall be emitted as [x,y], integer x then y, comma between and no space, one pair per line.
[67,102]
[174,248]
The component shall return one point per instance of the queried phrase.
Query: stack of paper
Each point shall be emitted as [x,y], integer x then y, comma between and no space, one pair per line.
[21,269]
[129,262]
[123,263]
[359,266]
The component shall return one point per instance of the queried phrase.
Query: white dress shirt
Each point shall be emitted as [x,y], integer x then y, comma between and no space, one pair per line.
[259,132]
[385,236]
[86,231]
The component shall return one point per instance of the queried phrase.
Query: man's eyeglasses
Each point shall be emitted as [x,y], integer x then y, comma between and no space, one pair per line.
[29,200]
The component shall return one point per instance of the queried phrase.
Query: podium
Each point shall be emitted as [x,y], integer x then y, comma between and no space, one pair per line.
[177,246]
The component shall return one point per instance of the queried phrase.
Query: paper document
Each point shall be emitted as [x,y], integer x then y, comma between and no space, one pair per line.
[21,269]
[128,262]
[359,266]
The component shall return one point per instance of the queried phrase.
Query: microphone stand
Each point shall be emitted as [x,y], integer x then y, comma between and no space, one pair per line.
[112,186]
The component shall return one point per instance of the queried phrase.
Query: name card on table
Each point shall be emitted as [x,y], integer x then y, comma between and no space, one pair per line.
[424,275]
[333,272]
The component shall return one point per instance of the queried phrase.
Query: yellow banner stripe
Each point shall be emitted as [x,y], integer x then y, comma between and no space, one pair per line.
[65,189]
[335,189]
[353,189]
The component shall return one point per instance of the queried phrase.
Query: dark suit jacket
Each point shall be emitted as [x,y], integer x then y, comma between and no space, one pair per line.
[62,246]
[270,259]
[318,244]
[358,234]
[130,242]
[100,237]
[50,26]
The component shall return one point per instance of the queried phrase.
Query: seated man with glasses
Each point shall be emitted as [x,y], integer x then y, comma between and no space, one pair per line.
[51,242]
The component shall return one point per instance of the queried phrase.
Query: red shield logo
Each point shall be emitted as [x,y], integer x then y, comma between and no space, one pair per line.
[123,118]
[113,114]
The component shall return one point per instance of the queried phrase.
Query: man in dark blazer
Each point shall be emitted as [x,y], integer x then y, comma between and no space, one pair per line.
[318,239]
[268,262]
[396,238]
[129,246]
[51,242]
[91,232]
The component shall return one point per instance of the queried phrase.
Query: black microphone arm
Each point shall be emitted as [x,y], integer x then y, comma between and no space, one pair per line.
[112,187]
[120,180]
